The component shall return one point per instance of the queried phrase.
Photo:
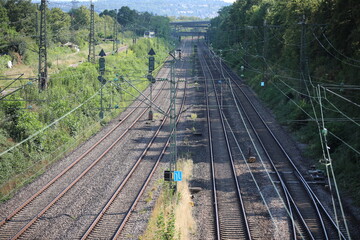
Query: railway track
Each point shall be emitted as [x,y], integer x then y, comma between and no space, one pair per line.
[105,222]
[108,226]
[313,221]
[229,211]
[28,213]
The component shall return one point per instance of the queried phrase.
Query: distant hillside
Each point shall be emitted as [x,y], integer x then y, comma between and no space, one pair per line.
[198,8]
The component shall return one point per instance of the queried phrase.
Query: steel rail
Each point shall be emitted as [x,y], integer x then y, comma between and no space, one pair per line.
[316,202]
[129,174]
[283,183]
[60,195]
[289,200]
[212,167]
[232,164]
[33,220]
[142,190]
[57,177]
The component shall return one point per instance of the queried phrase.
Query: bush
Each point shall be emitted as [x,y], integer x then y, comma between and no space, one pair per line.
[67,89]
[4,59]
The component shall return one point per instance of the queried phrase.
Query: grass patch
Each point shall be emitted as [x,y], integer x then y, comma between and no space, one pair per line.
[68,89]
[8,188]
[172,215]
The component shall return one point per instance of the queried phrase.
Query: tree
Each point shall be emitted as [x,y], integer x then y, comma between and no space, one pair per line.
[59,23]
[80,18]
[111,13]
[126,16]
[22,15]
[4,26]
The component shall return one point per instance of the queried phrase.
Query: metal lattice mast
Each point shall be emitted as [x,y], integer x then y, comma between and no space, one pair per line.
[265,47]
[42,71]
[302,54]
[91,57]
[116,37]
[173,148]
[115,40]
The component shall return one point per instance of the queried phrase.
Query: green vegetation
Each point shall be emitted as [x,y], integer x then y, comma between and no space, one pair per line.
[172,217]
[331,59]
[18,28]
[68,89]
[38,128]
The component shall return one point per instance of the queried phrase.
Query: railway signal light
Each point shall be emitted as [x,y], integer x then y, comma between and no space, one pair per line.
[102,80]
[168,176]
[151,78]
[151,64]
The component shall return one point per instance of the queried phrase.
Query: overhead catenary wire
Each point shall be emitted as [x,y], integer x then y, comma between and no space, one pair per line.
[342,113]
[338,95]
[258,154]
[298,106]
[333,55]
[48,126]
[332,45]
[329,164]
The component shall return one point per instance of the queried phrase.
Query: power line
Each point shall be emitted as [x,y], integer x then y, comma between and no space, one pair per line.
[48,126]
[349,58]
[338,95]
[43,71]
[91,56]
[347,63]
[342,113]
[297,105]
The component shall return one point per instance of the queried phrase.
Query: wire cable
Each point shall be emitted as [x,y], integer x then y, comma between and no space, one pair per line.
[347,63]
[349,58]
[338,95]
[48,126]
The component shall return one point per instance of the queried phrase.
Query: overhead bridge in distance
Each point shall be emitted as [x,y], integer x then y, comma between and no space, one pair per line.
[186,34]
[190,28]
[190,24]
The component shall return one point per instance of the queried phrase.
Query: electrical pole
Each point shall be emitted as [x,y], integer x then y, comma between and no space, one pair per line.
[91,56]
[37,23]
[265,47]
[105,32]
[151,78]
[115,34]
[102,81]
[302,54]
[173,147]
[245,54]
[116,37]
[42,71]
[173,118]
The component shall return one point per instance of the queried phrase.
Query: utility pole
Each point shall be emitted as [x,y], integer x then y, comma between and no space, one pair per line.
[102,80]
[245,42]
[173,147]
[105,32]
[302,53]
[42,71]
[37,23]
[116,37]
[151,78]
[115,40]
[265,47]
[91,56]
